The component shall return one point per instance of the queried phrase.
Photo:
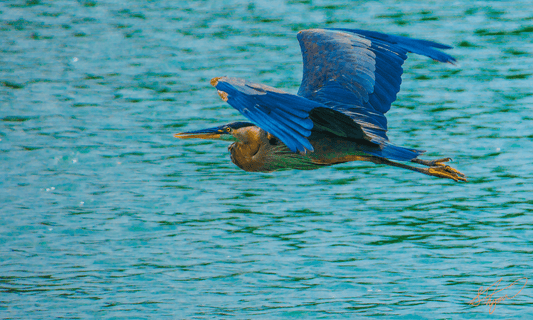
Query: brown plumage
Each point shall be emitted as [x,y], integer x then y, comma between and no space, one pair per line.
[255,150]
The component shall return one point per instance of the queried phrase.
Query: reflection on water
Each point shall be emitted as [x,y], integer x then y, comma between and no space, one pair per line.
[105,214]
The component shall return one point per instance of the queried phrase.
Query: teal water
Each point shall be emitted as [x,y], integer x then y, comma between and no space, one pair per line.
[103,214]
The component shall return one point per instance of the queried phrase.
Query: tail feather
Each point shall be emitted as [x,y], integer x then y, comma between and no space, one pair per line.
[393,152]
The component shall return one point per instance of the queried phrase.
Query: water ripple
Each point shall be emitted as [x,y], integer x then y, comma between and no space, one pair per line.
[105,215]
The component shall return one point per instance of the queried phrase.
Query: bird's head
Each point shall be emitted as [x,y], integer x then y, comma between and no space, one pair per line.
[227,132]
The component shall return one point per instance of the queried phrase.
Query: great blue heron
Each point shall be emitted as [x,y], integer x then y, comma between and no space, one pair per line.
[350,79]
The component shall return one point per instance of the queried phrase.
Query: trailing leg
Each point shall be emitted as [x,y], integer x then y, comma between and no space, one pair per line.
[436,168]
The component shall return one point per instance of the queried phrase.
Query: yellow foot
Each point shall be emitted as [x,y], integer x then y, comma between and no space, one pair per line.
[444,171]
[439,169]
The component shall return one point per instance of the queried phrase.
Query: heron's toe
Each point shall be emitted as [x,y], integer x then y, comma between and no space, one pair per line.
[445,171]
[439,162]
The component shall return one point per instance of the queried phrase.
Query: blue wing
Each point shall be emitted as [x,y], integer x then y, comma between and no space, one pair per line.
[358,72]
[282,114]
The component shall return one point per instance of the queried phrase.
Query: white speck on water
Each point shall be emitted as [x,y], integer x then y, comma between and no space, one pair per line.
[498,149]
[75,59]
[81,203]
[74,160]
[50,229]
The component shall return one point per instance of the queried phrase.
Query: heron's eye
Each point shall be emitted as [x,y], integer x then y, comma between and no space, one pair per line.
[228,129]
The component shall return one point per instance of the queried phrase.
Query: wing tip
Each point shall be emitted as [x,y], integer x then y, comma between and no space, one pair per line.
[223,95]
[214,81]
[304,32]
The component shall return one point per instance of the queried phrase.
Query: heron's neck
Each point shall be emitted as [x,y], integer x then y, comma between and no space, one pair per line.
[244,152]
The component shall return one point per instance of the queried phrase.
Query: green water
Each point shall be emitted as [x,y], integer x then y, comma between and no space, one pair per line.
[103,214]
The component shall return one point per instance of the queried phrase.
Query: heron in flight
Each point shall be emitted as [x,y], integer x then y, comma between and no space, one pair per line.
[350,79]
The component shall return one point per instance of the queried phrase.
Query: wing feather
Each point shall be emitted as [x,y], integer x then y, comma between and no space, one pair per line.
[282,114]
[351,77]
[358,72]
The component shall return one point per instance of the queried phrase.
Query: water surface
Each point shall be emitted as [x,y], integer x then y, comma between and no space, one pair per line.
[103,214]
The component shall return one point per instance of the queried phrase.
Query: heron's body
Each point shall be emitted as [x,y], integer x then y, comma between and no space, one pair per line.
[351,77]
[258,151]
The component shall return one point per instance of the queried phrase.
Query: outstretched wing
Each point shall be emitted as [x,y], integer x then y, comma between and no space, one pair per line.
[287,116]
[282,114]
[351,77]
[358,72]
